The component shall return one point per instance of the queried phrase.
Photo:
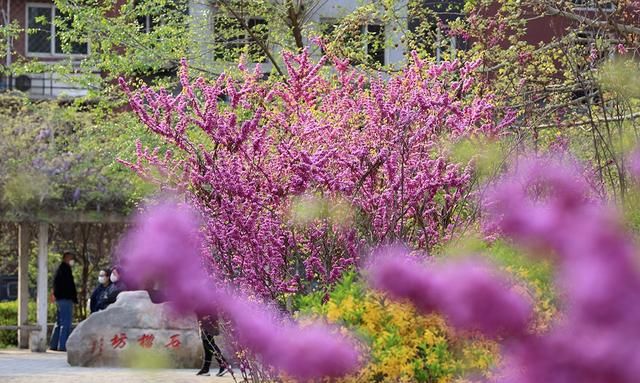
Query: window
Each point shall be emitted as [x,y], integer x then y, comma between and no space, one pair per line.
[437,41]
[327,29]
[151,14]
[585,38]
[232,39]
[42,38]
[40,29]
[375,43]
[590,5]
[429,28]
[12,290]
[146,23]
[446,43]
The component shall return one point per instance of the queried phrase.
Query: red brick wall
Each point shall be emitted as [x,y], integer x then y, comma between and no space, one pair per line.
[18,11]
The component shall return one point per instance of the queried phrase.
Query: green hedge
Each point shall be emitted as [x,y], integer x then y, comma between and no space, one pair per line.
[9,317]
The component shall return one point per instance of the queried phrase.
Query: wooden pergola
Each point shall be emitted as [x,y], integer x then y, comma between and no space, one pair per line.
[37,342]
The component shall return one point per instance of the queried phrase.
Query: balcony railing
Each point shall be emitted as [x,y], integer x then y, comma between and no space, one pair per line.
[43,85]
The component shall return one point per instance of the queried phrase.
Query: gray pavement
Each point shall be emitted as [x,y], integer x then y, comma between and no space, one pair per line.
[22,366]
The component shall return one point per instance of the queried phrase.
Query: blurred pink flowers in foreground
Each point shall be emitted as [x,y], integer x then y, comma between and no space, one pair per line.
[545,204]
[164,249]
[469,294]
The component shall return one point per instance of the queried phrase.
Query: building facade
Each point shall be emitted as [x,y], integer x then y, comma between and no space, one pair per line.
[318,14]
[42,46]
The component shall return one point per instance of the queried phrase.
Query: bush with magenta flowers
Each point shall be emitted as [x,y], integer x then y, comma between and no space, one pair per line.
[373,143]
[168,230]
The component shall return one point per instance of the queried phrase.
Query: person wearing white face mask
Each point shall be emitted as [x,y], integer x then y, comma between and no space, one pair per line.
[96,296]
[111,293]
[65,294]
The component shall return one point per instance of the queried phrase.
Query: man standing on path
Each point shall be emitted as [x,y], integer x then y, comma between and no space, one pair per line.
[64,292]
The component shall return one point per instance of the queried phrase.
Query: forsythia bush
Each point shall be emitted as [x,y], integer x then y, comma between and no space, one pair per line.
[403,345]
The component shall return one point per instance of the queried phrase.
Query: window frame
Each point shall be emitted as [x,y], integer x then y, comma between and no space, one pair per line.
[148,23]
[364,29]
[9,289]
[332,22]
[52,43]
[592,6]
[451,44]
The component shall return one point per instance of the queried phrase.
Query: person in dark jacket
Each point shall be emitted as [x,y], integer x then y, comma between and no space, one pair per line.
[110,294]
[208,329]
[64,292]
[103,285]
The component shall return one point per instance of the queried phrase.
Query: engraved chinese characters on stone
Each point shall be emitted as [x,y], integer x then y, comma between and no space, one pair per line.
[97,346]
[119,340]
[146,340]
[174,341]
[134,323]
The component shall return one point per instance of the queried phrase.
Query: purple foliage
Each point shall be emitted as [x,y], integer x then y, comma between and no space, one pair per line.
[634,165]
[302,352]
[163,248]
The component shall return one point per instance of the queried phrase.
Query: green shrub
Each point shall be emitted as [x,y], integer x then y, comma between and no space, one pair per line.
[9,317]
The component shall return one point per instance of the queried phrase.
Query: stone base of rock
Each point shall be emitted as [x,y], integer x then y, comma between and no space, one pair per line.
[134,332]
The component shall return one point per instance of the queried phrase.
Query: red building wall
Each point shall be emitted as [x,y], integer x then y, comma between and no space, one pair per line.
[18,13]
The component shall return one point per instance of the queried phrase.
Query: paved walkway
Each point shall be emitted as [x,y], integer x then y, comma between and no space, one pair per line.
[22,366]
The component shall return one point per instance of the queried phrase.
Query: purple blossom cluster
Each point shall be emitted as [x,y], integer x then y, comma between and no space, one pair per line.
[470,294]
[375,143]
[547,204]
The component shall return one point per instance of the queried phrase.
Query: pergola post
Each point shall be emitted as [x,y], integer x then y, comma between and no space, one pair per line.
[39,338]
[23,283]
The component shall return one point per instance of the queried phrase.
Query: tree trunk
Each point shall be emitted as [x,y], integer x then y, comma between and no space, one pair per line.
[85,230]
[295,23]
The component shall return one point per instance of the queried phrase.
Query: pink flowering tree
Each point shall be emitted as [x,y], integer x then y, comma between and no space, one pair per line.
[244,151]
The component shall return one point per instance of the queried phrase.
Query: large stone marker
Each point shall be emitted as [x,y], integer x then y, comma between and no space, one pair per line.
[135,330]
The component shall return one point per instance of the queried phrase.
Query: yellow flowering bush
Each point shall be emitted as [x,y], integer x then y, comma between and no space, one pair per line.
[402,345]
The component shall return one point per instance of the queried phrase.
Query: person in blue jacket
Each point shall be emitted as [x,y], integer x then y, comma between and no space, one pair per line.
[97,295]
[115,288]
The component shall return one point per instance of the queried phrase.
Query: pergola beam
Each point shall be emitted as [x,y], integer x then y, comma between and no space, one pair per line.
[24,239]
[26,328]
[39,338]
[68,217]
